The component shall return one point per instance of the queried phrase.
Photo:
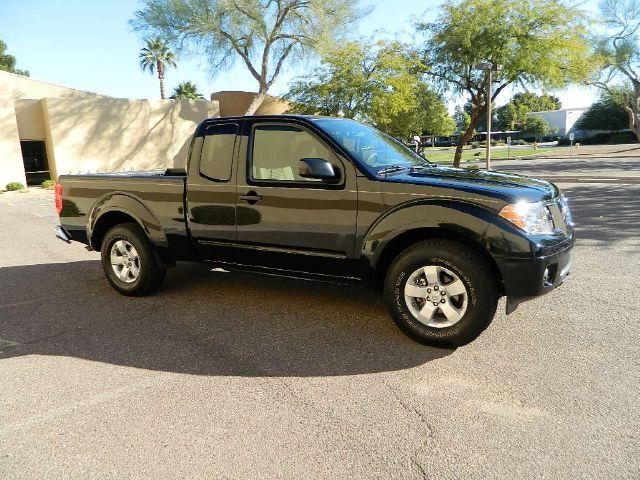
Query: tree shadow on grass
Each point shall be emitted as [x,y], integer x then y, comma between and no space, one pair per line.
[203,323]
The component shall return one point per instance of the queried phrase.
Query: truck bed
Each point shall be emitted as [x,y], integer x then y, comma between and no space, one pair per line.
[154,198]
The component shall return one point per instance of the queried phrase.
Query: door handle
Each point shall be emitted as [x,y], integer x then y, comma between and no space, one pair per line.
[251,198]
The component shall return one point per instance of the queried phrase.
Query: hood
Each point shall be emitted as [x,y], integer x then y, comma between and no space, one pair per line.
[509,187]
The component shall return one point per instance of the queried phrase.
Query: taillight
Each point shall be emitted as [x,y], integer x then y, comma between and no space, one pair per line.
[58,191]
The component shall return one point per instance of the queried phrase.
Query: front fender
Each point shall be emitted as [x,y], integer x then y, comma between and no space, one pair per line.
[123,202]
[496,235]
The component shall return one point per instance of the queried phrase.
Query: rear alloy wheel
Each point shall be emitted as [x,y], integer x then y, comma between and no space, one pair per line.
[129,261]
[125,261]
[441,293]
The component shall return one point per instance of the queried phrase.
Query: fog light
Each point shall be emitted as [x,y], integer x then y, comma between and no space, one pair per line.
[545,277]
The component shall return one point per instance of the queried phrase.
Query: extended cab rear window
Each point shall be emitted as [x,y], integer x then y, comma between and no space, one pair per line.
[217,151]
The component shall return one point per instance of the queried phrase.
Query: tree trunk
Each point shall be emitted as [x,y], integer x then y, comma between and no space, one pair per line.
[160,67]
[161,87]
[634,111]
[462,141]
[468,134]
[255,104]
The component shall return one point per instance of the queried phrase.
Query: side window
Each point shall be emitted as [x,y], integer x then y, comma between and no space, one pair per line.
[217,151]
[277,150]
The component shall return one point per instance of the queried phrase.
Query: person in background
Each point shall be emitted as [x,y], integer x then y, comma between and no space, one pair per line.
[416,142]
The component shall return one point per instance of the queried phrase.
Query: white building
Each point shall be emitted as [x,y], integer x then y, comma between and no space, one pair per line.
[563,120]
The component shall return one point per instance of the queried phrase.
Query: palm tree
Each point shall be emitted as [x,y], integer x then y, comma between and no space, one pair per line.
[155,56]
[186,91]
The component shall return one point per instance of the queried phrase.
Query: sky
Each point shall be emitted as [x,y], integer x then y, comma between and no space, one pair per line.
[89,45]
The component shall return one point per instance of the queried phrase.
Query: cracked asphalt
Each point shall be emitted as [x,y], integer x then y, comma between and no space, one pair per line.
[227,375]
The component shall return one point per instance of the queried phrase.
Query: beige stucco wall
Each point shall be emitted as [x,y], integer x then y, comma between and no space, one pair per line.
[109,134]
[236,103]
[11,166]
[30,119]
[17,86]
[84,131]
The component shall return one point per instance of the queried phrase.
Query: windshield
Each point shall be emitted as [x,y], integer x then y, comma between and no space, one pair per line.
[376,151]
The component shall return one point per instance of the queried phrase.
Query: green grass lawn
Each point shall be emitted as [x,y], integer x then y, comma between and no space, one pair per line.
[446,156]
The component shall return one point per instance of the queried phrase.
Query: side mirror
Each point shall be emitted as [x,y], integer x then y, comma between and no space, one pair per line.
[319,169]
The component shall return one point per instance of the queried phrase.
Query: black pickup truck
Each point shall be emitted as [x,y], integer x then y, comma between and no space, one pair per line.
[330,199]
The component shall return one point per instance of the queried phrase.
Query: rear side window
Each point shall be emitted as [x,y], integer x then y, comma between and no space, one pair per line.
[217,151]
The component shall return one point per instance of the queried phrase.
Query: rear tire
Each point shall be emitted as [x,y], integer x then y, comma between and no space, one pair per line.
[129,261]
[425,310]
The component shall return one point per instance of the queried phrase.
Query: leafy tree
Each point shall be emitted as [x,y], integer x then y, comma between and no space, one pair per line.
[461,118]
[512,115]
[342,82]
[156,56]
[8,62]
[536,103]
[263,34]
[428,116]
[618,50]
[380,84]
[535,126]
[186,91]
[537,43]
[608,113]
[509,116]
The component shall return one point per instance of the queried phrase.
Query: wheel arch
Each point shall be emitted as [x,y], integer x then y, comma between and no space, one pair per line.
[476,227]
[119,208]
[410,237]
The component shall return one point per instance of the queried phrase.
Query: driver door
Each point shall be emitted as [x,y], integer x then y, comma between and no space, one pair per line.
[288,221]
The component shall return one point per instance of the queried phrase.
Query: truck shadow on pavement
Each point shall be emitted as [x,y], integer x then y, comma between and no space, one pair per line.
[203,323]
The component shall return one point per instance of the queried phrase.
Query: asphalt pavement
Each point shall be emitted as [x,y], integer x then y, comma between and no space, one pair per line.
[229,375]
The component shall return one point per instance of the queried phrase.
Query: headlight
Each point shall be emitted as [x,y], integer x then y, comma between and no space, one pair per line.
[532,217]
[566,211]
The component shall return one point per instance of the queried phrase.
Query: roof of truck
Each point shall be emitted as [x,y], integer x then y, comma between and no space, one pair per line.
[287,115]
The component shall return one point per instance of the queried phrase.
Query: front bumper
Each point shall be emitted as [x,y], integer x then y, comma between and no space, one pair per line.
[62,234]
[525,279]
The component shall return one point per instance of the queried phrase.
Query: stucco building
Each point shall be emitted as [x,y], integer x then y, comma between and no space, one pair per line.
[48,130]
[563,120]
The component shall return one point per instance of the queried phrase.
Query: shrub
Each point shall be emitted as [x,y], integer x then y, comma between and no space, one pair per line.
[603,138]
[624,137]
[13,186]
[48,184]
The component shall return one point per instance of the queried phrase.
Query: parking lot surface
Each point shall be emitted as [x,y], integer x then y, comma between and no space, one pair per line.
[229,375]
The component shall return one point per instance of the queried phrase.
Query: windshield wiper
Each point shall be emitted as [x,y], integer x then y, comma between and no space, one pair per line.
[392,169]
[427,166]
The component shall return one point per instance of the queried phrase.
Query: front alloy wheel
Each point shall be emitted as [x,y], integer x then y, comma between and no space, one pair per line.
[441,292]
[436,296]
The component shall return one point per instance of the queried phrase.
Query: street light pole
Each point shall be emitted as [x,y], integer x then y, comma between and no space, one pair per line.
[489,119]
[489,68]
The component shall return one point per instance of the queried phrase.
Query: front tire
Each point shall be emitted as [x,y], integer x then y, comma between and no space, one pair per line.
[441,293]
[130,262]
